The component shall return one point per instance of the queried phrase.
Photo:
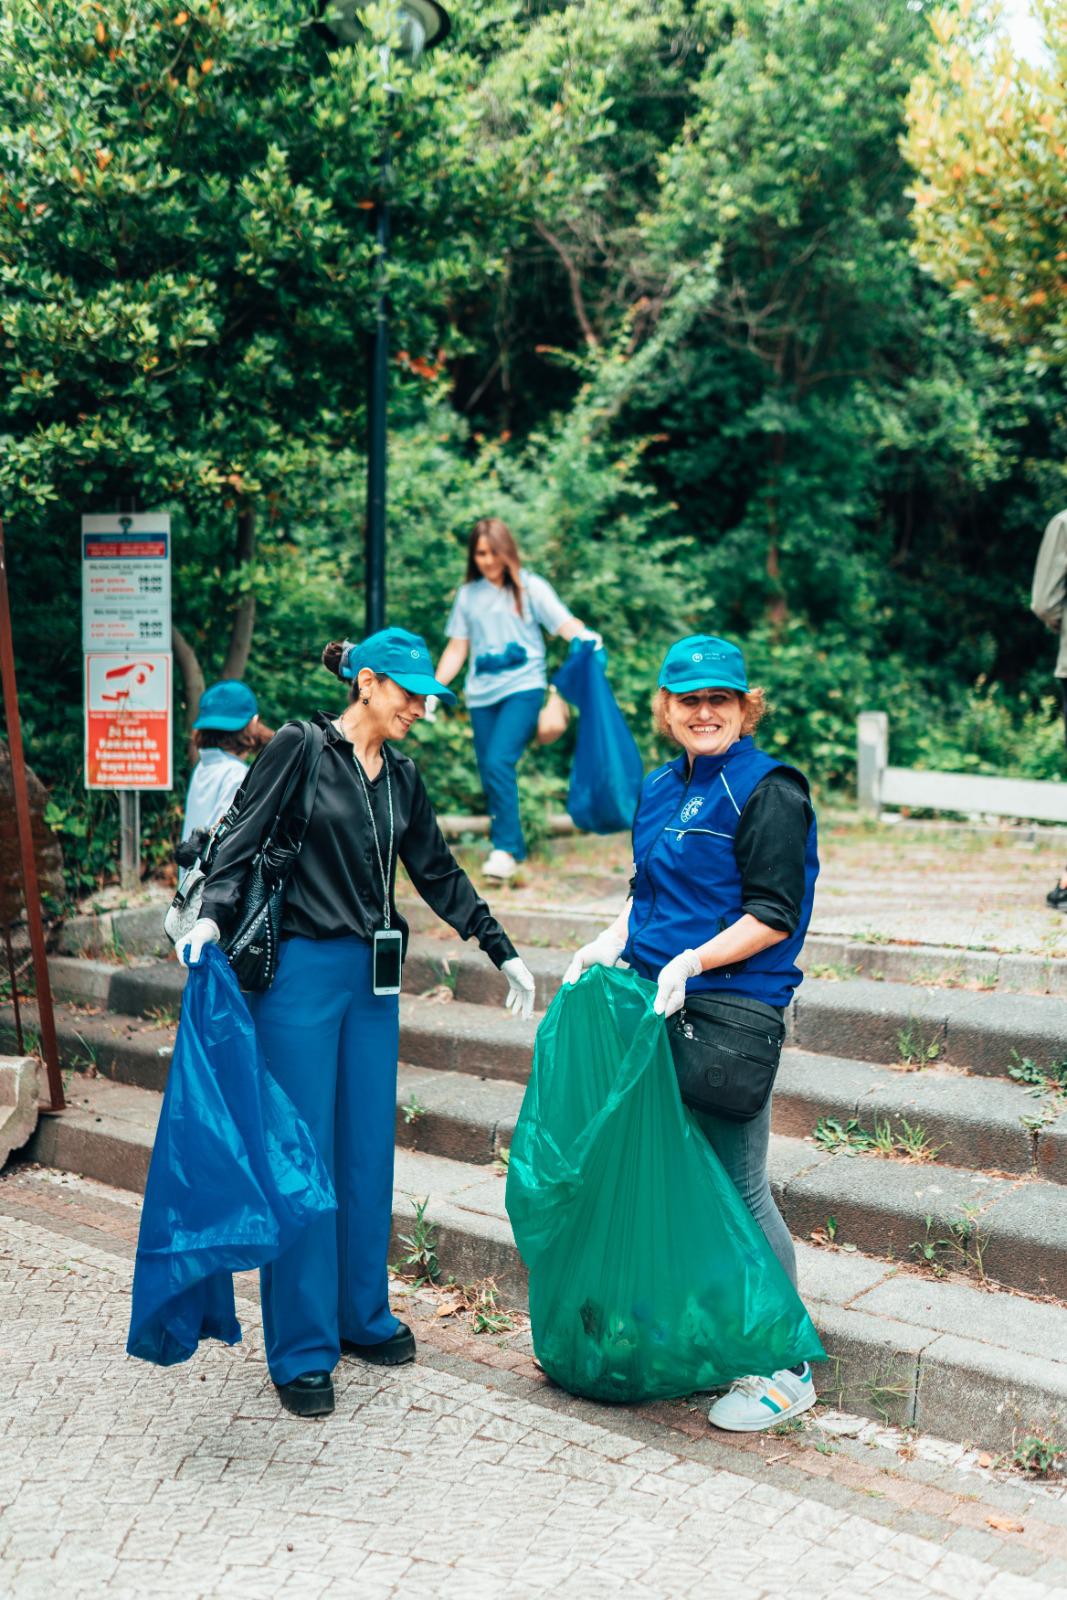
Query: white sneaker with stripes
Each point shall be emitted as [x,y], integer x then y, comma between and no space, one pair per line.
[754,1403]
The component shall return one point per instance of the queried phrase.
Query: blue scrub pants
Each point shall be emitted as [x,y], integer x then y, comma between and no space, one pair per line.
[332,1045]
[501,733]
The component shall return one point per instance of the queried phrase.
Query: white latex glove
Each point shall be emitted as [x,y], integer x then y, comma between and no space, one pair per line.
[204,932]
[520,1000]
[590,633]
[432,703]
[670,993]
[603,951]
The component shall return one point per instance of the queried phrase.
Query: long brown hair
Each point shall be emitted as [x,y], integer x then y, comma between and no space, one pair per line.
[500,539]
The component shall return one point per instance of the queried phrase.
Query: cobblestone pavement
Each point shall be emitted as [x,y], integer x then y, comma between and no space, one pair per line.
[459,1476]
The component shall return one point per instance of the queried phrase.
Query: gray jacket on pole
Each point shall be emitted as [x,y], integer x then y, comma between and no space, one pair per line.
[1048,599]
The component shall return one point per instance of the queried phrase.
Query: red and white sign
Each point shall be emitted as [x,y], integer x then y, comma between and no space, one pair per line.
[127,721]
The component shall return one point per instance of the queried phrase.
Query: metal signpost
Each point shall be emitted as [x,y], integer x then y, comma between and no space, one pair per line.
[126,640]
[30,888]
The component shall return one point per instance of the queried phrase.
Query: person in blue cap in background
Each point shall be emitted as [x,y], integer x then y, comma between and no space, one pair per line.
[725,863]
[497,619]
[227,729]
[329,1024]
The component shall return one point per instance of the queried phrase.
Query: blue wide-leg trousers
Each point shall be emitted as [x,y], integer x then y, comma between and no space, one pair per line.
[332,1045]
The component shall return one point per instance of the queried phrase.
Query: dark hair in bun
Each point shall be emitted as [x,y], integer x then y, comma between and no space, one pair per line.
[331,656]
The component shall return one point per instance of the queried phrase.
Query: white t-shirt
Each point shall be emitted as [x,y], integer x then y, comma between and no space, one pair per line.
[216,778]
[507,651]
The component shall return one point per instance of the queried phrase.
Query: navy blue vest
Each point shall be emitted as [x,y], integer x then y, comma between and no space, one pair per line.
[688,885]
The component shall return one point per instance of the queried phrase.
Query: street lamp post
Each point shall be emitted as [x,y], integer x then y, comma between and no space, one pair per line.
[423,23]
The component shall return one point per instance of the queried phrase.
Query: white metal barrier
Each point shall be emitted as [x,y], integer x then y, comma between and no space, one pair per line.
[879,785]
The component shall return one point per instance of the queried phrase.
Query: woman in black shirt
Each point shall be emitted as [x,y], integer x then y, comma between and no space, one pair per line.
[328,1038]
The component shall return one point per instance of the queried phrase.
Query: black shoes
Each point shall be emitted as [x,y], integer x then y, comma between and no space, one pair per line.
[310,1395]
[1057,898]
[393,1352]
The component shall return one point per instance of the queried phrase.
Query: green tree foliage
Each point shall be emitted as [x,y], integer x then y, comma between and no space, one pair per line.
[987,135]
[655,301]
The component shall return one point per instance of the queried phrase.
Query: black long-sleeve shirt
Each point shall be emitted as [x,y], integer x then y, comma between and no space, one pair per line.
[336,886]
[770,845]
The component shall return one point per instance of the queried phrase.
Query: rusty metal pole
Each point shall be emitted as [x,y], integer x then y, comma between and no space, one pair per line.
[49,1047]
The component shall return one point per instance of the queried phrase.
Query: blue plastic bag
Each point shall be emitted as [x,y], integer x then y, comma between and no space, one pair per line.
[234,1179]
[607,772]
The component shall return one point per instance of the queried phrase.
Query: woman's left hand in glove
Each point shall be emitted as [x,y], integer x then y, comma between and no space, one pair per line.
[520,1000]
[670,985]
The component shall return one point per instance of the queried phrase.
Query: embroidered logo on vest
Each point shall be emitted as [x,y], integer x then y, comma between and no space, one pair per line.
[691,807]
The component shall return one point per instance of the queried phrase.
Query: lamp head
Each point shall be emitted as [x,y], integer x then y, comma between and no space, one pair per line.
[423,23]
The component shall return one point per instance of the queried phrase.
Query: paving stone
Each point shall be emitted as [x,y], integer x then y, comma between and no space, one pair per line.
[881,1206]
[985,1030]
[873,1363]
[987,1394]
[1009,1322]
[1052,1149]
[1027,1238]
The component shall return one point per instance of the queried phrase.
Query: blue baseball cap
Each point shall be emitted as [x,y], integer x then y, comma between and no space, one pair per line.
[227,706]
[396,654]
[703,662]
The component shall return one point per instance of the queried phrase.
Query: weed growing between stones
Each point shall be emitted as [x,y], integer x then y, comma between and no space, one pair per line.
[1039,1080]
[413,1109]
[835,971]
[420,1263]
[164,1016]
[1038,1456]
[914,1050]
[501,1160]
[909,1143]
[960,1248]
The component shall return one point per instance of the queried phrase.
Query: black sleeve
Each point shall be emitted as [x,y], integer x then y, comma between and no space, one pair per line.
[770,846]
[264,788]
[442,882]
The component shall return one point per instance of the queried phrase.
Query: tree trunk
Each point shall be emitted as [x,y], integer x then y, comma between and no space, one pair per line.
[244,618]
[193,678]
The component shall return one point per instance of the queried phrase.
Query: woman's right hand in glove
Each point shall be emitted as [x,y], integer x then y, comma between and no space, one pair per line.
[603,951]
[191,948]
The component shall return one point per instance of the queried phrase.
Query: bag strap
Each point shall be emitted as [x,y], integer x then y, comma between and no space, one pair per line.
[308,758]
[310,764]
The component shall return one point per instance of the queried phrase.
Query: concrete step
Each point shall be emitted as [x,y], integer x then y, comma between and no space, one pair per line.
[859,1019]
[19,1097]
[840,954]
[1009,1227]
[951,1359]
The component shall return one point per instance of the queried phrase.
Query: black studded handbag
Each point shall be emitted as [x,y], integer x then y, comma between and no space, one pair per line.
[252,947]
[726,1051]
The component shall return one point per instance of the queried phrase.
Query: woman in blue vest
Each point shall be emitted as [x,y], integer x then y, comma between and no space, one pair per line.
[725,862]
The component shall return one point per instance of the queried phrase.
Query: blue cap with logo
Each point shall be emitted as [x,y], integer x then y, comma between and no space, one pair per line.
[703,662]
[227,706]
[396,654]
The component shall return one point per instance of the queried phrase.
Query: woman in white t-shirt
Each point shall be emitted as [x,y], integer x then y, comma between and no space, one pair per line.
[497,618]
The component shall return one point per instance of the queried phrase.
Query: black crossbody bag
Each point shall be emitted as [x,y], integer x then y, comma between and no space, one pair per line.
[726,1051]
[252,947]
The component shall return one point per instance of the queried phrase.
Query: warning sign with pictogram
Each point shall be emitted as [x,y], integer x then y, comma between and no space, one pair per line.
[127,721]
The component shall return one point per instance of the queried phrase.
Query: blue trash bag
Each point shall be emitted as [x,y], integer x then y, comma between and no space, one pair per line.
[607,772]
[235,1175]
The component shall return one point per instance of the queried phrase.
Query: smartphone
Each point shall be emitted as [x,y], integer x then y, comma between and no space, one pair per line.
[387,955]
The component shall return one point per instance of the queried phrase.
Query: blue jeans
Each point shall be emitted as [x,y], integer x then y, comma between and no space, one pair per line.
[501,733]
[742,1148]
[332,1045]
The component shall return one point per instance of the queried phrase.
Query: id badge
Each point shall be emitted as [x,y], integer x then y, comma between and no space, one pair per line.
[387,952]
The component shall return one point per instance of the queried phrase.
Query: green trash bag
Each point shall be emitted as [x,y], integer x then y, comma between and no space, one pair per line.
[648,1276]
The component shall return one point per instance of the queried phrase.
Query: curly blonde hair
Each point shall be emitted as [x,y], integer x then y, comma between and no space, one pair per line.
[753,703]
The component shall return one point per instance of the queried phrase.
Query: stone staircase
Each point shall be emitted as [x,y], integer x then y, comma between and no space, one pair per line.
[978,1353]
